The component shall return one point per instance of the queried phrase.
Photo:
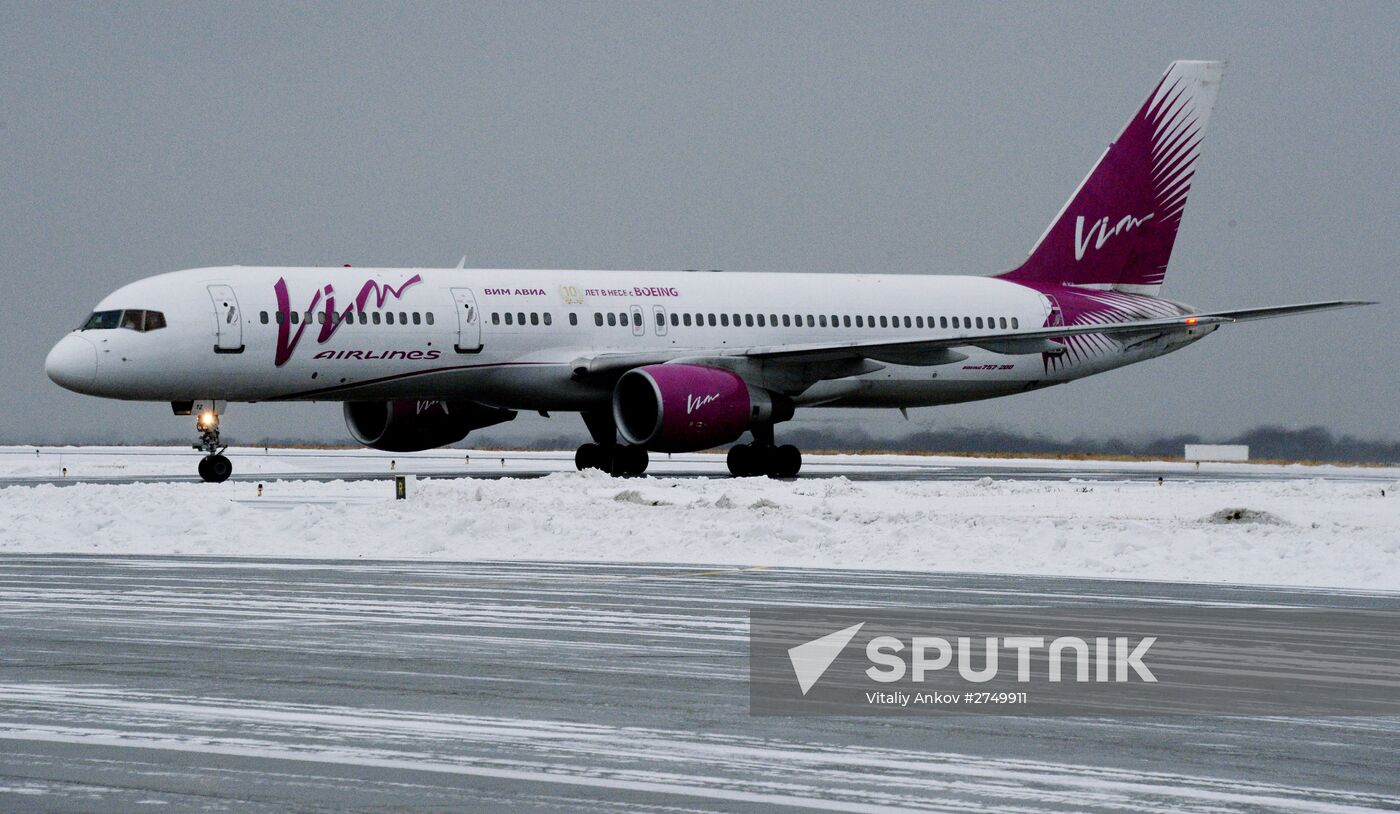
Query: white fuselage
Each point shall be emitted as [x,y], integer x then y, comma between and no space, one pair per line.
[484,335]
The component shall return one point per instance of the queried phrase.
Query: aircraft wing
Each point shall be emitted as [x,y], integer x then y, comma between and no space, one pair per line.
[837,357]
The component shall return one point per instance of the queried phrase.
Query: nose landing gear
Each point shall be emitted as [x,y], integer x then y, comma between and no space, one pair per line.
[213,467]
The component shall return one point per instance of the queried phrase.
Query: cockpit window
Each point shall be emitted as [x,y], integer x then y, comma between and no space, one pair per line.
[134,319]
[101,320]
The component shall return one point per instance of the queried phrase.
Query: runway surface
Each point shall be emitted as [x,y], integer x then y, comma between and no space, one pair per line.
[26,466]
[129,683]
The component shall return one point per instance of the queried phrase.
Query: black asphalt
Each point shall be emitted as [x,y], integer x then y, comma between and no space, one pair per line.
[182,684]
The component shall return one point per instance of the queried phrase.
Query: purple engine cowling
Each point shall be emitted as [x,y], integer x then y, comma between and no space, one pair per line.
[413,425]
[684,408]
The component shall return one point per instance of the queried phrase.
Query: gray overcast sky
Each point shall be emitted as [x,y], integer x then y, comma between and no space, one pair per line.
[906,138]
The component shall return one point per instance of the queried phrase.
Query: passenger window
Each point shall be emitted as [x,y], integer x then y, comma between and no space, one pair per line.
[724,320]
[520,317]
[612,319]
[495,318]
[389,317]
[979,322]
[821,320]
[416,318]
[1015,323]
[262,317]
[1002,322]
[908,323]
[296,317]
[787,323]
[860,321]
[918,322]
[374,317]
[811,321]
[675,319]
[573,318]
[534,318]
[748,320]
[510,318]
[660,320]
[943,322]
[773,320]
[282,317]
[548,318]
[364,318]
[597,319]
[429,317]
[884,322]
[761,323]
[712,320]
[686,319]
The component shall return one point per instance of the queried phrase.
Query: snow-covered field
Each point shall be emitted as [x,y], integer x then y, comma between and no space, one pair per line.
[1313,531]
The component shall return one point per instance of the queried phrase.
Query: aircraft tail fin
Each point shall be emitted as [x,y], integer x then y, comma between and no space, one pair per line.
[1118,228]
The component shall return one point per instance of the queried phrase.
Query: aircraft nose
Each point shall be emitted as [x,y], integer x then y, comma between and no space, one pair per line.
[72,363]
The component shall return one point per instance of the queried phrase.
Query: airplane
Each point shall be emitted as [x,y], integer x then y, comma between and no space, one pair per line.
[673,361]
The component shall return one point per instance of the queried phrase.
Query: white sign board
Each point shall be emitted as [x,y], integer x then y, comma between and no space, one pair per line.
[1217,452]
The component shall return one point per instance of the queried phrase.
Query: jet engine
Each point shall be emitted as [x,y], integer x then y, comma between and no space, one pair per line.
[409,425]
[684,408]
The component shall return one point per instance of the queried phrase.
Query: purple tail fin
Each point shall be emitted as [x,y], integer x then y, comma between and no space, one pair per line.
[1117,229]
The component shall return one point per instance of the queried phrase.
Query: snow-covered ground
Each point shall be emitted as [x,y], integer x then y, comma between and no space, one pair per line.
[1314,531]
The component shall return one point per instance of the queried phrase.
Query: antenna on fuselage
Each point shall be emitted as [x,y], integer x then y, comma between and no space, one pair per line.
[461,264]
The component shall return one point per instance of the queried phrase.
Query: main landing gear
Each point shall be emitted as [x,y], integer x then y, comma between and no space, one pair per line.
[615,459]
[752,460]
[605,452]
[213,467]
[763,457]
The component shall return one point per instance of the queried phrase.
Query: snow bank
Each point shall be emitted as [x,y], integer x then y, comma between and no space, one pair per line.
[1328,533]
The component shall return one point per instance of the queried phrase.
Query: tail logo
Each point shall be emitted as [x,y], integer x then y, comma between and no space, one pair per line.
[1100,232]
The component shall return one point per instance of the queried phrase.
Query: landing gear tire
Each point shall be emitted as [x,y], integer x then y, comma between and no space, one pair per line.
[587,457]
[630,460]
[784,461]
[742,460]
[215,468]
